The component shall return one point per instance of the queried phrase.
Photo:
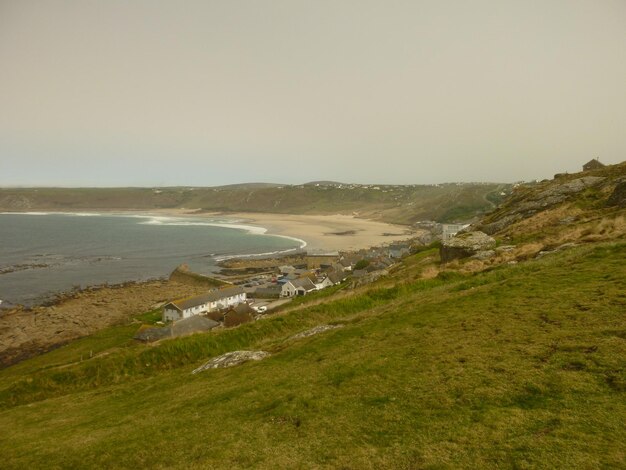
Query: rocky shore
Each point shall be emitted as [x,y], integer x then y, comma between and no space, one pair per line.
[26,333]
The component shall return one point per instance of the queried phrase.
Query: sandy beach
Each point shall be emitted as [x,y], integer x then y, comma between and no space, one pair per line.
[322,233]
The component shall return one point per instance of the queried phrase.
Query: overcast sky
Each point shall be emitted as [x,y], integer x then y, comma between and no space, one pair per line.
[117,93]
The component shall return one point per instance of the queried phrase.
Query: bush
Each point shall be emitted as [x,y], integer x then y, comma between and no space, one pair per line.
[362,264]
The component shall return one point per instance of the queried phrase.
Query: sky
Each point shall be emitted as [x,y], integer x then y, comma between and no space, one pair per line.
[201,93]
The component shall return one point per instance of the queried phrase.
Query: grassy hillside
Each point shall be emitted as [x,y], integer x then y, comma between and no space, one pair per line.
[397,204]
[517,360]
[519,366]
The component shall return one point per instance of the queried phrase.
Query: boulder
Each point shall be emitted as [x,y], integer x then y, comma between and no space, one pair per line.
[315,331]
[230,359]
[465,245]
[483,255]
[618,197]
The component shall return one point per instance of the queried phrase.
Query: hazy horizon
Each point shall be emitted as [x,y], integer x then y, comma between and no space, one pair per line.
[207,93]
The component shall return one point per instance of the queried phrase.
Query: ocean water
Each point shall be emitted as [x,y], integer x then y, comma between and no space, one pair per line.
[43,254]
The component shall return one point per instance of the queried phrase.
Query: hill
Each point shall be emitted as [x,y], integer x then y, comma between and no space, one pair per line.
[394,204]
[516,361]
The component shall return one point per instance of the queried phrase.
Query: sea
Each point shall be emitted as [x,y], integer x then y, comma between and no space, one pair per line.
[45,254]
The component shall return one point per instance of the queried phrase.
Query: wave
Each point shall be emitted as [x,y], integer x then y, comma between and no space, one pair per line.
[185,221]
[25,213]
[77,214]
[252,229]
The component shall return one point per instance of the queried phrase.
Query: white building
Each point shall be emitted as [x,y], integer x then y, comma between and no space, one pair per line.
[450,230]
[324,283]
[214,300]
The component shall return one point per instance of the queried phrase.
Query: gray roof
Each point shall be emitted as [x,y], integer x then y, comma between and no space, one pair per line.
[212,296]
[336,277]
[304,282]
[267,290]
[243,308]
[192,325]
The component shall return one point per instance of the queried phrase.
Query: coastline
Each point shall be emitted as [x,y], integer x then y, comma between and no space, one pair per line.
[318,234]
[30,331]
[322,234]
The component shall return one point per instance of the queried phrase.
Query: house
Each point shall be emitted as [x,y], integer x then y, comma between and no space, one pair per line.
[295,287]
[267,292]
[398,251]
[324,283]
[593,164]
[450,230]
[337,277]
[284,270]
[238,315]
[202,304]
[346,265]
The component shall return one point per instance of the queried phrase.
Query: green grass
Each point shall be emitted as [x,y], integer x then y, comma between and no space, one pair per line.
[520,367]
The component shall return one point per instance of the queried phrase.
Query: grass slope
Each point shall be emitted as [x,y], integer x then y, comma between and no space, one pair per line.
[519,367]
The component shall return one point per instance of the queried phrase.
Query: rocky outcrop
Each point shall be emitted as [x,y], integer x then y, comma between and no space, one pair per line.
[230,359]
[465,245]
[618,197]
[531,202]
[315,331]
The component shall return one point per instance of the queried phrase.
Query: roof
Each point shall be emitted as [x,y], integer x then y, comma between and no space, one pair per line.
[593,163]
[192,325]
[242,308]
[214,295]
[304,282]
[336,277]
[271,289]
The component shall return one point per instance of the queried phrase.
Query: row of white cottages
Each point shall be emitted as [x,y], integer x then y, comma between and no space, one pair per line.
[214,300]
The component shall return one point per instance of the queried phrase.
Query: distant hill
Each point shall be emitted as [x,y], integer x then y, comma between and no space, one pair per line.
[402,204]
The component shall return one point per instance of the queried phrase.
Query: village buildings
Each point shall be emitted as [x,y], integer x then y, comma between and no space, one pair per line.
[450,230]
[203,304]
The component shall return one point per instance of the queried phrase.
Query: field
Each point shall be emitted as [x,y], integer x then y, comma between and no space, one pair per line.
[519,366]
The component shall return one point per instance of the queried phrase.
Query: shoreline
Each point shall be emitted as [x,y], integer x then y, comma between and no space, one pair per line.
[29,331]
[323,234]
[319,234]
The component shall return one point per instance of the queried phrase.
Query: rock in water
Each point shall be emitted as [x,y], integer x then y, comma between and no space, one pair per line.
[465,245]
[233,358]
